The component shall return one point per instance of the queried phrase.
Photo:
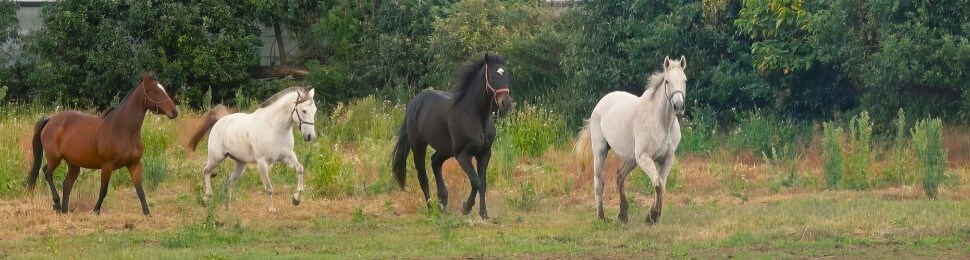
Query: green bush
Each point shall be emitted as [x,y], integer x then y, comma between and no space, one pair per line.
[832,152]
[760,132]
[532,130]
[930,155]
[699,134]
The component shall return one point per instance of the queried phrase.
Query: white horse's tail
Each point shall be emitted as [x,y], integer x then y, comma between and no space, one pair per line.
[583,149]
[214,115]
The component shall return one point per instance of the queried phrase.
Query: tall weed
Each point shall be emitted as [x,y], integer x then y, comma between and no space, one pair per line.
[930,155]
[859,151]
[832,152]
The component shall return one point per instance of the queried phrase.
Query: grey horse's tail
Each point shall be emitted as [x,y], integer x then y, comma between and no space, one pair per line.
[583,149]
[214,115]
[401,156]
[38,154]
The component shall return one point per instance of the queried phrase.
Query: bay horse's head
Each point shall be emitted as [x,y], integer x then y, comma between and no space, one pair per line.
[497,80]
[156,98]
[675,82]
[304,113]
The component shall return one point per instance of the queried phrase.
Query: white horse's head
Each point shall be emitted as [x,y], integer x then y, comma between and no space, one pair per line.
[675,82]
[304,114]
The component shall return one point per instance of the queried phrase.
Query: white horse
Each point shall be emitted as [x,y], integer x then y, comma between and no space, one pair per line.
[263,137]
[642,130]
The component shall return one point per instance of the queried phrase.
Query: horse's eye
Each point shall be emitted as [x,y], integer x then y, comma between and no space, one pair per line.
[304,111]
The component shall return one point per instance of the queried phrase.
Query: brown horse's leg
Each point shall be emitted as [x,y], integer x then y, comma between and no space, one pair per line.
[135,171]
[105,180]
[621,184]
[465,160]
[483,159]
[49,176]
[72,172]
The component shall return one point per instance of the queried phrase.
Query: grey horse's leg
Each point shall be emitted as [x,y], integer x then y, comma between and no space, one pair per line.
[621,174]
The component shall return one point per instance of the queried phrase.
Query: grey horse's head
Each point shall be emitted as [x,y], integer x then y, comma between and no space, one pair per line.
[675,84]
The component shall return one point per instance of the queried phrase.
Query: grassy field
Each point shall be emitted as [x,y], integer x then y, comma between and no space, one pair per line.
[723,202]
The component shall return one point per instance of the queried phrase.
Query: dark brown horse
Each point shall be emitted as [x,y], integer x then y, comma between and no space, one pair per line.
[108,142]
[459,125]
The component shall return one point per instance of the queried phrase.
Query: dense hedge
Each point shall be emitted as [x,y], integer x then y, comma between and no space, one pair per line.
[799,59]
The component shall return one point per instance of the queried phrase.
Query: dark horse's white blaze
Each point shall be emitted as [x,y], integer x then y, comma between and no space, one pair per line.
[643,130]
[459,125]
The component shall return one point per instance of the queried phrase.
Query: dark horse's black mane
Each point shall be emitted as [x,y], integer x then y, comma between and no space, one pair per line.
[467,76]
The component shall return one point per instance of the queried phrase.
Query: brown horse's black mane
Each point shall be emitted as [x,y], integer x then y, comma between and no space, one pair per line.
[278,95]
[130,92]
[467,76]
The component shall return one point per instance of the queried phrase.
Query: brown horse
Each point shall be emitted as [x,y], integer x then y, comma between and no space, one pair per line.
[108,142]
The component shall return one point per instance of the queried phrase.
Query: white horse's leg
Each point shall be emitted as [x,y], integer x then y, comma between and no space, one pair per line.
[263,166]
[647,164]
[294,163]
[233,179]
[628,166]
[599,164]
[210,165]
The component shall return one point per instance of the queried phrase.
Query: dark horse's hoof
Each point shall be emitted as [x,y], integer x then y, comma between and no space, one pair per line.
[653,218]
[467,208]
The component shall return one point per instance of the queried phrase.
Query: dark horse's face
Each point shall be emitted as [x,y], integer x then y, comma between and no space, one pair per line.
[498,81]
[156,98]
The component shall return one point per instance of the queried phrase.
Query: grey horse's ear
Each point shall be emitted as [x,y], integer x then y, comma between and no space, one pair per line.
[683,62]
[666,62]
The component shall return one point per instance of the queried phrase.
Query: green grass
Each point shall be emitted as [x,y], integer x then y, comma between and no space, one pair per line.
[844,225]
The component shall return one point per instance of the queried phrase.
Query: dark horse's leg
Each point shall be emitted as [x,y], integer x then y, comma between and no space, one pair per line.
[620,184]
[465,160]
[135,171]
[105,180]
[437,160]
[72,172]
[483,159]
[419,152]
[49,176]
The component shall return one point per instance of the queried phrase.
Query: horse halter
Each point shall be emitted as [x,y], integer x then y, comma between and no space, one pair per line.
[670,96]
[298,101]
[489,85]
[158,105]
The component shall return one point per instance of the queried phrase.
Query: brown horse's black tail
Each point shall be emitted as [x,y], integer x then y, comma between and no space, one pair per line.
[214,115]
[38,153]
[400,155]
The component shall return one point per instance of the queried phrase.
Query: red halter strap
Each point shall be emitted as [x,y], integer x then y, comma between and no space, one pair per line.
[489,85]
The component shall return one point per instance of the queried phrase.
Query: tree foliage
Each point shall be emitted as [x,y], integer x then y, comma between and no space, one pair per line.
[89,52]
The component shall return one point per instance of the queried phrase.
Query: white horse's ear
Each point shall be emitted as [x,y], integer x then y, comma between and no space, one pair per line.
[310,93]
[666,63]
[683,62]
